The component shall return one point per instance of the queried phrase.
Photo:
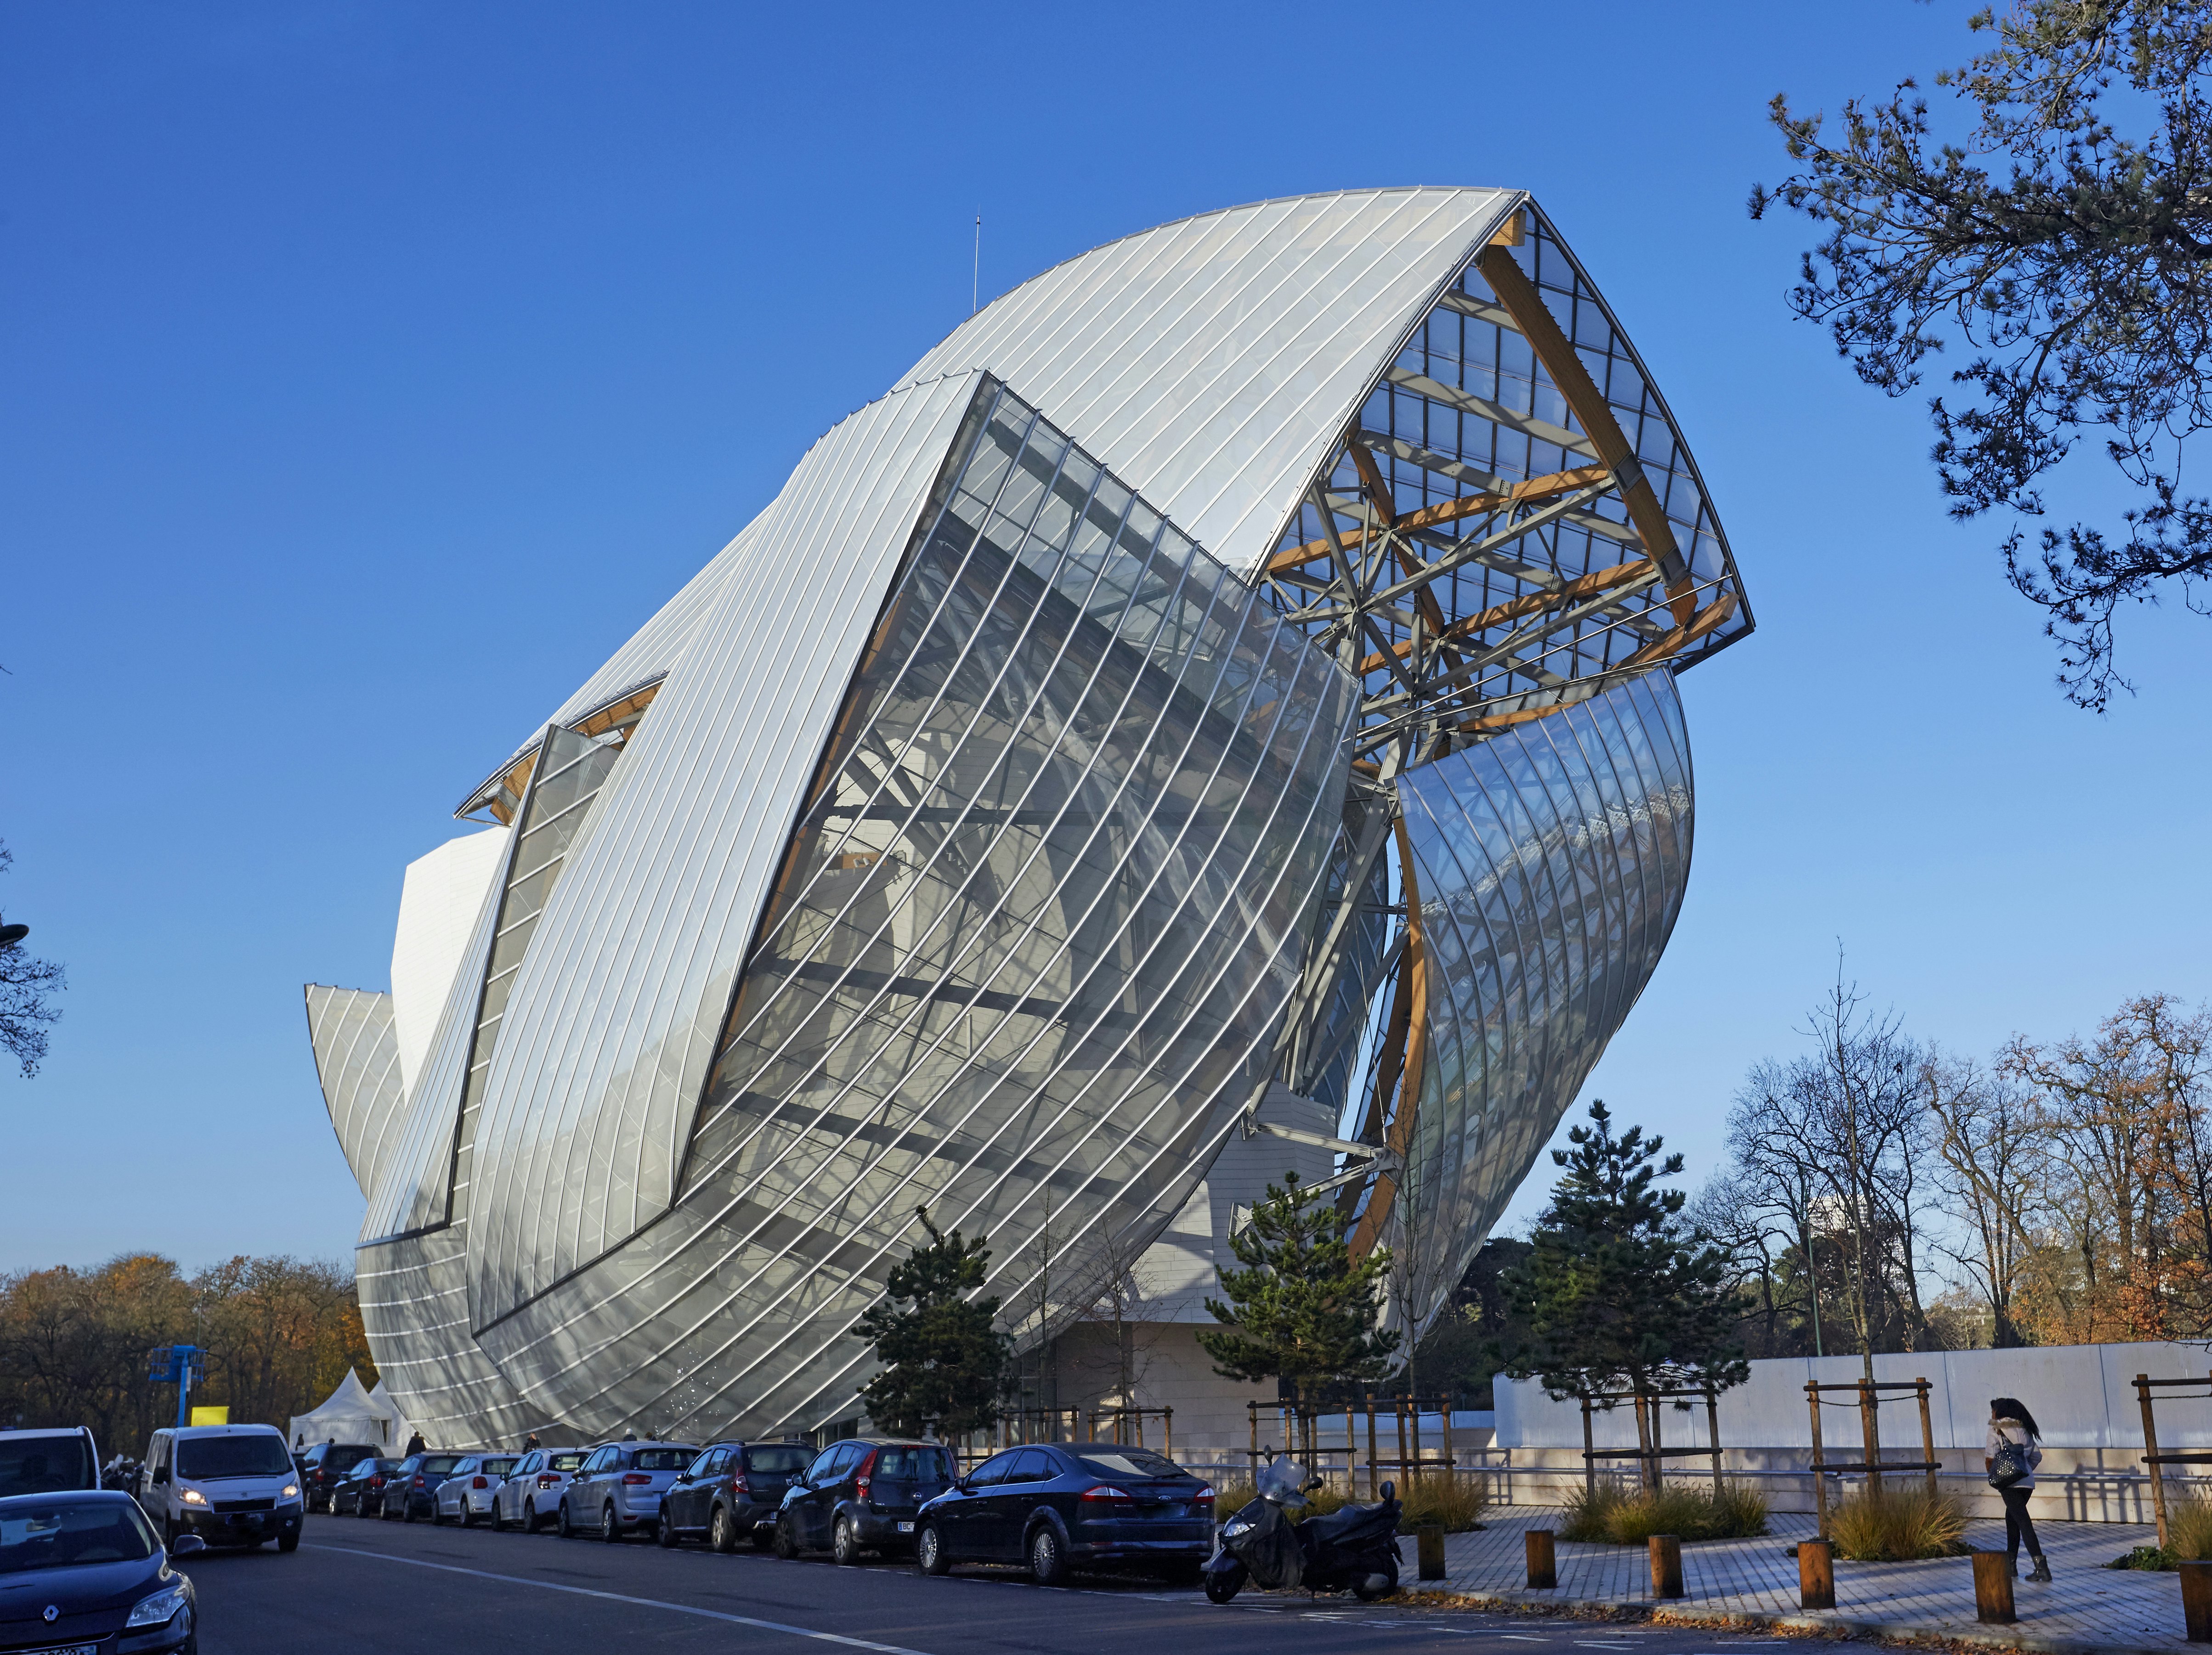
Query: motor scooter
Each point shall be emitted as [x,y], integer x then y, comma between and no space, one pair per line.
[1354,1549]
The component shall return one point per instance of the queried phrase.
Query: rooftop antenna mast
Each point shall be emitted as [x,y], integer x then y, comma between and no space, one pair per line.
[975,284]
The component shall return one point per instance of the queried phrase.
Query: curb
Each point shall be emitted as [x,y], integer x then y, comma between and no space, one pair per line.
[1990,1636]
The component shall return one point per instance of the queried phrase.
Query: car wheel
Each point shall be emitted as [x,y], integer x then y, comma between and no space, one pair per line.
[929,1554]
[561,1525]
[844,1544]
[665,1531]
[610,1530]
[498,1523]
[722,1533]
[787,1540]
[407,1510]
[288,1543]
[530,1517]
[1047,1557]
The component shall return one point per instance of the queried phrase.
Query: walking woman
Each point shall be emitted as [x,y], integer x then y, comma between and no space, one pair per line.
[2010,1456]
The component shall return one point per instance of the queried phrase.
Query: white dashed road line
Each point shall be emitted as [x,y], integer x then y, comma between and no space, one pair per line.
[625,1597]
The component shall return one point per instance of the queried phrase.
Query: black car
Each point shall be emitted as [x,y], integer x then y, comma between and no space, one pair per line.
[360,1490]
[326,1464]
[411,1490]
[1074,1505]
[863,1493]
[85,1570]
[732,1489]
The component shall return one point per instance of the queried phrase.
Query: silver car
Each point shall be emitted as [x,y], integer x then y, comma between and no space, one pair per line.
[531,1492]
[467,1492]
[617,1490]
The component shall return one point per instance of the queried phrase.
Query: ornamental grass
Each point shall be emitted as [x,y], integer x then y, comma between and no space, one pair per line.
[1897,1523]
[1612,1515]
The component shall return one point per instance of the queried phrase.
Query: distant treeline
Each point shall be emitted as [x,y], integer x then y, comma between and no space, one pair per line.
[280,1333]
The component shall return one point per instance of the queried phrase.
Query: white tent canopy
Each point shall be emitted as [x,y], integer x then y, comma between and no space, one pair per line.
[351,1414]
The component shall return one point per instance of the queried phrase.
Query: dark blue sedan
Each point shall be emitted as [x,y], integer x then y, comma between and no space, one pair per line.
[1074,1505]
[83,1573]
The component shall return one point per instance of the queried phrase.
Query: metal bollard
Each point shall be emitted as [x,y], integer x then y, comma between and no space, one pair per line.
[1993,1587]
[1667,1565]
[2197,1602]
[1543,1561]
[1816,1574]
[1428,1543]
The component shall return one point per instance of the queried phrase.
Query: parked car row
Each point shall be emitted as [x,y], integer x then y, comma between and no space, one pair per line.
[1052,1507]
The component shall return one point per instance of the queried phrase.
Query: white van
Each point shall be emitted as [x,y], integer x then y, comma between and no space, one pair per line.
[229,1484]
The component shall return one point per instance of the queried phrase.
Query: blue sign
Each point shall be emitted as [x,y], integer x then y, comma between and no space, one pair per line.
[171,1363]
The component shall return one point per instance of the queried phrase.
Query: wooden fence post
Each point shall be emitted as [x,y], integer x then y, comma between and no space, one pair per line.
[1252,1414]
[1589,1452]
[1401,1403]
[1820,1476]
[1816,1574]
[1429,1544]
[1993,1587]
[1414,1403]
[1713,1425]
[1373,1490]
[1665,1566]
[1871,1425]
[1927,1437]
[2150,1455]
[1543,1560]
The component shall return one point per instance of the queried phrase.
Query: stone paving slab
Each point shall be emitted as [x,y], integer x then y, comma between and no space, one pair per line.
[2085,1607]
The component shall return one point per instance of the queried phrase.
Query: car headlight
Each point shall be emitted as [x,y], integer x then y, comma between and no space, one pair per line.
[157,1609]
[291,1492]
[190,1497]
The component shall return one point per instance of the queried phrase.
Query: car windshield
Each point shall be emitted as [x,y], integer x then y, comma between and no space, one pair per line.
[205,1459]
[438,1464]
[56,1534]
[499,1467]
[1124,1462]
[564,1462]
[664,1460]
[43,1466]
[776,1462]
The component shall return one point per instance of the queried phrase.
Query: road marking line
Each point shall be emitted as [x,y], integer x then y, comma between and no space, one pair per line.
[625,1597]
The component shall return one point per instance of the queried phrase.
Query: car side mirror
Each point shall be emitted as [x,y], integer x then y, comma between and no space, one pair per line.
[187,1545]
[161,1474]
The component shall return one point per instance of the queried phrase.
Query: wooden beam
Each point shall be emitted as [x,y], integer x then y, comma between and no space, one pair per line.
[1541,329]
[1414,1044]
[1378,489]
[1546,486]
[1514,608]
[1658,649]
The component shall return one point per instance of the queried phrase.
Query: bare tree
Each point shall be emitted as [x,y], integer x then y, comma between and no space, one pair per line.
[1993,1146]
[27,987]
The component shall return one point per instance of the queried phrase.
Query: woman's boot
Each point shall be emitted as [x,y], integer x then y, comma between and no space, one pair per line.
[2041,1571]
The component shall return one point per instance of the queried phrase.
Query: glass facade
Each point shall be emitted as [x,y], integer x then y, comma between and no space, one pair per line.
[1549,864]
[1041,913]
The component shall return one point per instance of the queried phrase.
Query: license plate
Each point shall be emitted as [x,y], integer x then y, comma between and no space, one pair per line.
[66,1649]
[906,1528]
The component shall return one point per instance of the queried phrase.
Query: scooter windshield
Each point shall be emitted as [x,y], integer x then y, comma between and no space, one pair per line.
[1279,1481]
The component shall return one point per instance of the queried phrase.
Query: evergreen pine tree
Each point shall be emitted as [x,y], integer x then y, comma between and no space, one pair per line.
[1618,1292]
[1303,1309]
[945,1359]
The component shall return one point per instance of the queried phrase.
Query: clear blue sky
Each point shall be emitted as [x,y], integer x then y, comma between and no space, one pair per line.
[371,371]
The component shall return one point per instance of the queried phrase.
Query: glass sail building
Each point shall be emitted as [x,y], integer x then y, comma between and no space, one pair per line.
[1225,691]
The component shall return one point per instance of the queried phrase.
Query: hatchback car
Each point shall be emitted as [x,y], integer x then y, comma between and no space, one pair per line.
[323,1466]
[84,1570]
[1073,1505]
[731,1490]
[467,1494]
[864,1493]
[618,1490]
[360,1490]
[411,1490]
[530,1493]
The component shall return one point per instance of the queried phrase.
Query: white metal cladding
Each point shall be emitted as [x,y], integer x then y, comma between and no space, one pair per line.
[1030,938]
[438,903]
[612,1023]
[1550,863]
[357,1060]
[1213,361]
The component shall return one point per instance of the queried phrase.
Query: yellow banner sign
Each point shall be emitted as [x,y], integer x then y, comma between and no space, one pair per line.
[211,1416]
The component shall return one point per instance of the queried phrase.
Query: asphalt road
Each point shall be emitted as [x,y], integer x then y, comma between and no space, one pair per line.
[400,1588]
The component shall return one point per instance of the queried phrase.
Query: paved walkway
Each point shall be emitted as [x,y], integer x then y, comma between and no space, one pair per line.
[2086,1607]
